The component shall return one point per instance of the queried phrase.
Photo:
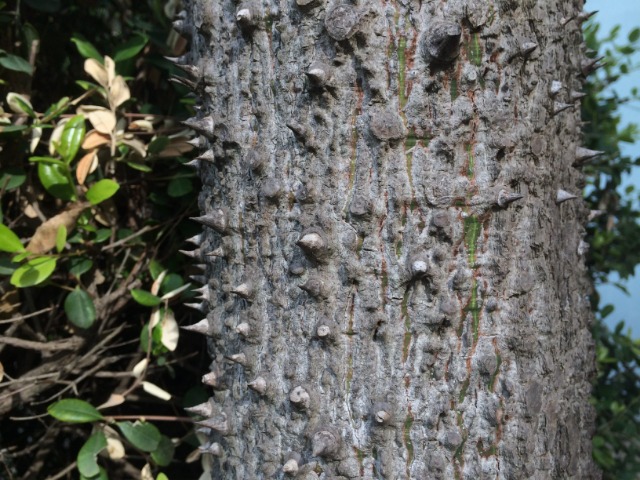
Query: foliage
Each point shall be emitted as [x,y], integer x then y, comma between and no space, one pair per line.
[92,173]
[615,247]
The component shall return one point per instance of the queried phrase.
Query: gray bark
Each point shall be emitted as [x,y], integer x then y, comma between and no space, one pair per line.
[396,288]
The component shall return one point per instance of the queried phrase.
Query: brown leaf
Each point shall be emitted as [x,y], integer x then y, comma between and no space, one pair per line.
[44,238]
[175,149]
[86,165]
[97,71]
[103,120]
[114,400]
[118,92]
[94,139]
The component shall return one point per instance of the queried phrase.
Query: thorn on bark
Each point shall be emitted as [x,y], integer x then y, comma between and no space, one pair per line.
[590,65]
[207,156]
[382,413]
[204,126]
[325,442]
[342,21]
[203,410]
[217,220]
[505,198]
[418,265]
[239,358]
[243,329]
[527,48]
[202,327]
[192,253]
[300,397]
[202,307]
[319,74]
[197,142]
[258,385]
[212,449]
[583,247]
[563,196]
[440,42]
[244,290]
[290,467]
[185,82]
[219,423]
[212,379]
[575,95]
[195,240]
[561,107]
[313,243]
[584,154]
[201,279]
[218,252]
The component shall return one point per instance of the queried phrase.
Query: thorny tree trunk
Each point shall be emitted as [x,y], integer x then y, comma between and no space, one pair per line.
[396,288]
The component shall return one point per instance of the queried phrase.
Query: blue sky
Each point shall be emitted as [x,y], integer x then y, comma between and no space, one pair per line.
[625,13]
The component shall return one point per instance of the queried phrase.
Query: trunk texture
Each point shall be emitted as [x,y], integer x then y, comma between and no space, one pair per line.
[394,282]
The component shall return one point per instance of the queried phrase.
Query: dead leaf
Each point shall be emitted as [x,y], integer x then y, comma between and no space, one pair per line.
[96,71]
[139,147]
[110,66]
[155,286]
[156,391]
[94,139]
[36,134]
[141,125]
[56,135]
[86,165]
[115,449]
[16,102]
[118,92]
[1,371]
[175,149]
[114,400]
[44,238]
[103,120]
[146,473]
[139,368]
[170,331]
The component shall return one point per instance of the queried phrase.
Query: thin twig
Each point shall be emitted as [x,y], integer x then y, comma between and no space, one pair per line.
[24,317]
[143,230]
[72,343]
[62,472]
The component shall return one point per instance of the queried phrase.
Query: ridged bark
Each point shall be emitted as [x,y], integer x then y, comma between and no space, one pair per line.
[396,286]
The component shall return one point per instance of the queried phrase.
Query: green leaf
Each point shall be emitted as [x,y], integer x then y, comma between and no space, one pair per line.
[87,456]
[102,190]
[102,235]
[140,167]
[73,410]
[12,177]
[20,104]
[7,267]
[155,268]
[162,476]
[15,63]
[171,282]
[33,272]
[158,144]
[12,128]
[130,48]
[145,298]
[179,187]
[634,35]
[79,265]
[164,453]
[71,138]
[9,241]
[80,309]
[101,476]
[55,181]
[61,238]
[56,109]
[142,435]
[86,48]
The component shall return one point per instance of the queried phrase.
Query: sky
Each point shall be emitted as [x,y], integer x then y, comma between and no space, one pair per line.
[625,13]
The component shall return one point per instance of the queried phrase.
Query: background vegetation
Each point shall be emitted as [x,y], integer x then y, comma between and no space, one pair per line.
[93,175]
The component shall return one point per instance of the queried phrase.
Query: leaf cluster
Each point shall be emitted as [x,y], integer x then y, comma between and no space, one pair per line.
[95,200]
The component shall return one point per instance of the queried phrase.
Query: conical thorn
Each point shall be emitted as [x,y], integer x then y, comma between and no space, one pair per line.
[202,327]
[563,196]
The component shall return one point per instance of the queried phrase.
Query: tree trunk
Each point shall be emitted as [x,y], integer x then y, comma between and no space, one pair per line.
[394,284]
